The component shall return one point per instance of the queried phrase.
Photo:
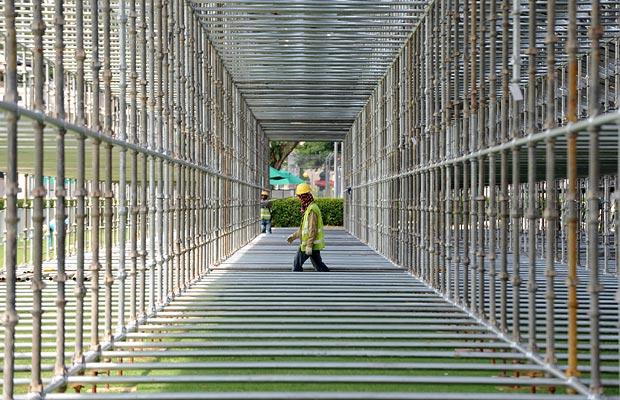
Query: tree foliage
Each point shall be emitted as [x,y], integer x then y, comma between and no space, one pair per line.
[279,151]
[313,154]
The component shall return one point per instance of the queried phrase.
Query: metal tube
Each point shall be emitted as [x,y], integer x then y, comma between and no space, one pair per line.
[481,199]
[465,148]
[515,206]
[133,123]
[551,213]
[143,125]
[491,140]
[153,126]
[168,121]
[10,317]
[108,195]
[122,185]
[38,31]
[161,19]
[571,195]
[178,148]
[593,196]
[61,233]
[80,289]
[532,212]
[473,145]
[457,149]
[95,193]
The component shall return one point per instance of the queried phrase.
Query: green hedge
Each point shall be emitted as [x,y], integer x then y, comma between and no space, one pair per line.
[285,212]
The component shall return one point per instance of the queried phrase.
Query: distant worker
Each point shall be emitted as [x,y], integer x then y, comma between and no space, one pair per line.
[265,212]
[310,232]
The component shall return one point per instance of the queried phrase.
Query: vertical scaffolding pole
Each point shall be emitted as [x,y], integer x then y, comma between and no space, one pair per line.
[551,214]
[481,198]
[81,193]
[456,202]
[503,197]
[178,135]
[473,164]
[465,148]
[516,192]
[144,127]
[167,81]
[61,231]
[532,213]
[571,195]
[95,191]
[153,128]
[11,219]
[133,99]
[122,173]
[38,192]
[593,196]
[492,140]
[108,194]
[162,74]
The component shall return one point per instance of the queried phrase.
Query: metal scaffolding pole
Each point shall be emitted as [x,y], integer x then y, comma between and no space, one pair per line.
[446,136]
[486,179]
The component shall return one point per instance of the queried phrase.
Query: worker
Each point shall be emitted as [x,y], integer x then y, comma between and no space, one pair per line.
[310,232]
[265,212]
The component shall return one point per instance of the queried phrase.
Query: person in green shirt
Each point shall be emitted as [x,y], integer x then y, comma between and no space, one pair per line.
[265,212]
[310,232]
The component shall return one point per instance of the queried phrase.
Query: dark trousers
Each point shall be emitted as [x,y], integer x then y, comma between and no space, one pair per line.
[315,258]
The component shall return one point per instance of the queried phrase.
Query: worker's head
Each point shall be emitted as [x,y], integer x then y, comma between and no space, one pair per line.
[264,195]
[303,188]
[304,193]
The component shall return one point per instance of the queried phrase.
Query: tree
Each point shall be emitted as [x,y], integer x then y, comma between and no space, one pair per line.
[313,154]
[279,151]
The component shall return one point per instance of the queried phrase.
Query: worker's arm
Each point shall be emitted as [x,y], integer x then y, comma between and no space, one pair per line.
[295,235]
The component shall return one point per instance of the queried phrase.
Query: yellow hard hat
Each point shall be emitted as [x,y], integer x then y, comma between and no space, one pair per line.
[303,188]
[264,193]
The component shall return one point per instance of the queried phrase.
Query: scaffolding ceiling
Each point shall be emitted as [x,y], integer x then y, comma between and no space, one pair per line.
[307,67]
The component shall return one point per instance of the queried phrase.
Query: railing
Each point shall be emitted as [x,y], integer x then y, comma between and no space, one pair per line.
[472,176]
[157,163]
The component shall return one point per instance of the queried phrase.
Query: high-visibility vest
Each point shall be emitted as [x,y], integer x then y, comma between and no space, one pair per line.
[265,213]
[319,241]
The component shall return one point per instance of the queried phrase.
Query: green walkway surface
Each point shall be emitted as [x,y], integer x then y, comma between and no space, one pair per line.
[251,329]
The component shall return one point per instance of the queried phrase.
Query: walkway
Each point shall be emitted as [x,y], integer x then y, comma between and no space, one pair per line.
[251,329]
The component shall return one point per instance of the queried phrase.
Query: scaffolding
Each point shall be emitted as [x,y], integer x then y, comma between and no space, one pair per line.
[489,183]
[480,154]
[164,156]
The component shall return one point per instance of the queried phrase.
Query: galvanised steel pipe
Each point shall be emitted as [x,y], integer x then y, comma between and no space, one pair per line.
[550,213]
[108,194]
[571,194]
[161,118]
[95,193]
[122,185]
[545,108]
[10,317]
[143,208]
[38,30]
[152,143]
[491,140]
[81,193]
[133,123]
[532,210]
[592,197]
[61,232]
